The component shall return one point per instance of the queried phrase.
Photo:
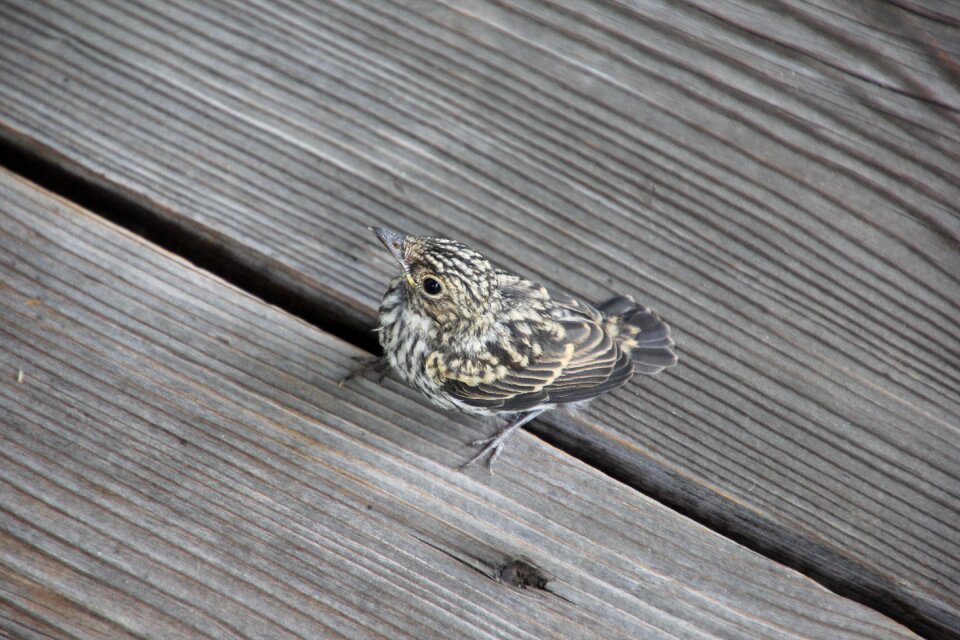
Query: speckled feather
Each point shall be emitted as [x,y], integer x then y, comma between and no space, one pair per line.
[493,342]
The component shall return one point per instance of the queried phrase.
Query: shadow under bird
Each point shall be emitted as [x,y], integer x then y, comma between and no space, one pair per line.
[482,340]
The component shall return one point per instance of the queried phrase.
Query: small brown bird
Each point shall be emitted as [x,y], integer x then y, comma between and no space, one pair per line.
[484,341]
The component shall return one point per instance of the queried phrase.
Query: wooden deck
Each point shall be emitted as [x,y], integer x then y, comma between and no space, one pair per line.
[185,274]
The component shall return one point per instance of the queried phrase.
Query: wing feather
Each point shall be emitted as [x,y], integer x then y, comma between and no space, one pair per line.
[585,363]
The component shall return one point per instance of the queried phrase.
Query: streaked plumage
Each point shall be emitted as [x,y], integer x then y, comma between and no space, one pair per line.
[481,340]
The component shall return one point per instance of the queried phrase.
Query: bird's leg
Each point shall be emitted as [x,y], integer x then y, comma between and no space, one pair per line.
[494,445]
[378,364]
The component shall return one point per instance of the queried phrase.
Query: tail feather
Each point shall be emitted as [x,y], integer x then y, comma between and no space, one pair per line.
[642,333]
[616,306]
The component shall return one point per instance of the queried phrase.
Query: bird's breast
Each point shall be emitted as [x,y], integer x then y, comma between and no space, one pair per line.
[406,337]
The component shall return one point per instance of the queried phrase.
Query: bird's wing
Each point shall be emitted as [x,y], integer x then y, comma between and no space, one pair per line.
[582,364]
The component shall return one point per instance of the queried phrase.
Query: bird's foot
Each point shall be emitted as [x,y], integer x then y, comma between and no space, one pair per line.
[493,445]
[367,364]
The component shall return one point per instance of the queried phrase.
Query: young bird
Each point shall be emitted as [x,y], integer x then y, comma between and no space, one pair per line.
[481,340]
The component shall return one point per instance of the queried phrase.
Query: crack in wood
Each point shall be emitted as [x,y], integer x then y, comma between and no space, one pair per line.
[517,572]
[240,265]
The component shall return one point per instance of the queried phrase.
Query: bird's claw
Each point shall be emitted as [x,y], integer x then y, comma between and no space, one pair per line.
[378,364]
[492,446]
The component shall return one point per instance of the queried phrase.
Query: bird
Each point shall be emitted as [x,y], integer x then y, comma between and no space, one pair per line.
[482,340]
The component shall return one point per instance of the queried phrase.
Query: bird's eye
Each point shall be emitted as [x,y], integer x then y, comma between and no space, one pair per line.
[431,286]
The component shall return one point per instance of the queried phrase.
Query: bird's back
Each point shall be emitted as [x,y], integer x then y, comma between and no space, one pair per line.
[578,351]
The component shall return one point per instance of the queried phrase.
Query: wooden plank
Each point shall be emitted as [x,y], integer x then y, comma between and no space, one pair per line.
[780,183]
[178,461]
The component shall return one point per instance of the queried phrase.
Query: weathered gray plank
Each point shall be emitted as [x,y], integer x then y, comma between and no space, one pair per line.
[178,461]
[780,182]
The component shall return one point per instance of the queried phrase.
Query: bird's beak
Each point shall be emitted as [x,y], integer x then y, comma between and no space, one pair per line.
[394,242]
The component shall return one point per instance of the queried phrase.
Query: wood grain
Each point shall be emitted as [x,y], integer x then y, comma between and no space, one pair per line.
[178,461]
[779,181]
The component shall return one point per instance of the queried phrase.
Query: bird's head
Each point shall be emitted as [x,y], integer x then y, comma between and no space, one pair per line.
[445,280]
